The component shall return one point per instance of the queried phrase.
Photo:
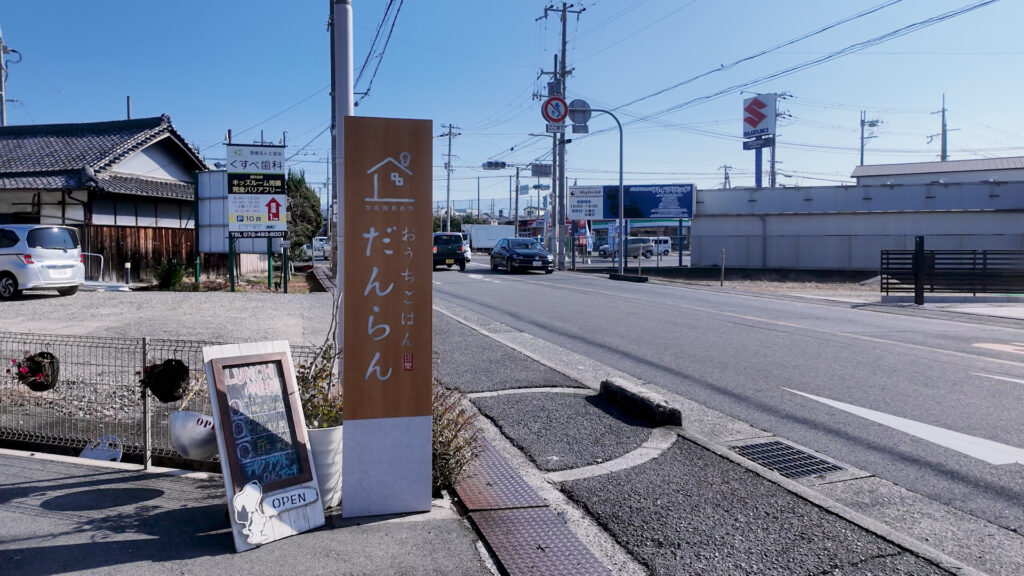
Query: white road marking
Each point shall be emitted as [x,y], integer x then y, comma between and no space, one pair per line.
[1008,379]
[661,439]
[1015,347]
[980,448]
[481,277]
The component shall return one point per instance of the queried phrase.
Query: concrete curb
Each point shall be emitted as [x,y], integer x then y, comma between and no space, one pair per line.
[641,402]
[627,277]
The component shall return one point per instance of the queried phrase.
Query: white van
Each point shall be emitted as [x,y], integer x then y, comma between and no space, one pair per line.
[38,256]
[662,245]
[321,248]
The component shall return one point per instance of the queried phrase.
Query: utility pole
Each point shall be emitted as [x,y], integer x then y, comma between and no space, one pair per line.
[477,196]
[869,124]
[516,229]
[726,183]
[943,154]
[451,133]
[4,51]
[561,73]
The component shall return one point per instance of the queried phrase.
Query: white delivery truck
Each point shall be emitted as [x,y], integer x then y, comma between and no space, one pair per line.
[483,237]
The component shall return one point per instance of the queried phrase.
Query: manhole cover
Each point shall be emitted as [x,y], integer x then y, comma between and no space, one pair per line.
[786,460]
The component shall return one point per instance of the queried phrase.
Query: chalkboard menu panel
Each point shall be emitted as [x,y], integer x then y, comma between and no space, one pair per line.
[259,421]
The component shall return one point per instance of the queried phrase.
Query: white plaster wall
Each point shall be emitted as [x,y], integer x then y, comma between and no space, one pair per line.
[158,160]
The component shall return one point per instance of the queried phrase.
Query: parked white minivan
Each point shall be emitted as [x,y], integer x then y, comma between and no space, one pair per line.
[39,256]
[662,245]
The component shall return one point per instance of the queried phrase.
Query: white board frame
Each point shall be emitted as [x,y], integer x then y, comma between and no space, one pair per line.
[273,526]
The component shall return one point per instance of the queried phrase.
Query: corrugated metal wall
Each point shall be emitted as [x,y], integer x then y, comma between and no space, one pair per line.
[846,227]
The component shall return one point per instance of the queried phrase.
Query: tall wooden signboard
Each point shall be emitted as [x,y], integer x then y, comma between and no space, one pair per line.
[264,452]
[387,316]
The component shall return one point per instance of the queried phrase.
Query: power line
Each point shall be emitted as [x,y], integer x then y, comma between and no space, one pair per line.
[380,58]
[271,117]
[853,48]
[760,53]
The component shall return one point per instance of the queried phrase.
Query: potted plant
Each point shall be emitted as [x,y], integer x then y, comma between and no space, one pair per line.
[38,371]
[323,409]
[168,380]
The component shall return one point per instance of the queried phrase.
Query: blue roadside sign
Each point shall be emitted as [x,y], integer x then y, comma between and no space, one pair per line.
[650,201]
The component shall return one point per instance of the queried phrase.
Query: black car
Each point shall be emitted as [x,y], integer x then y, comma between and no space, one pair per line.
[449,250]
[513,254]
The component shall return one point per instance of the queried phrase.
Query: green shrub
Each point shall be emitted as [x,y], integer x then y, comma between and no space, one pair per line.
[169,273]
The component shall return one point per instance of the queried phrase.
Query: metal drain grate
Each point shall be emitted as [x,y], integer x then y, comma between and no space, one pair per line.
[786,460]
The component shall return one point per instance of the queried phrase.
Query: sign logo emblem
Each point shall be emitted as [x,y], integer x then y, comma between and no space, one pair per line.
[754,116]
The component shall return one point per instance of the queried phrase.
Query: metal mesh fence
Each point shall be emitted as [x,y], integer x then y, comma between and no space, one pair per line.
[97,391]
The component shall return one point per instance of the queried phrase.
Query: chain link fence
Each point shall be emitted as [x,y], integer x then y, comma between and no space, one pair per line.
[97,391]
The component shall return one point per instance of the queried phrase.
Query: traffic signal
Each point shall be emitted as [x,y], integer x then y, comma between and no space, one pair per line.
[495,165]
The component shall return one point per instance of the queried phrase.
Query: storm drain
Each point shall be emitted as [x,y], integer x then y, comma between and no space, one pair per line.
[786,460]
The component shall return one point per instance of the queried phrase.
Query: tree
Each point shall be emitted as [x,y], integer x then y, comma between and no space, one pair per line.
[304,216]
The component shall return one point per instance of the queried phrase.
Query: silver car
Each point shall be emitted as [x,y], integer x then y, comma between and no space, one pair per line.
[39,256]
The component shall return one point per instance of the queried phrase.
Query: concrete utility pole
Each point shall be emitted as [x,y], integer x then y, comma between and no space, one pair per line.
[943,153]
[561,72]
[869,124]
[343,105]
[726,183]
[451,133]
[4,51]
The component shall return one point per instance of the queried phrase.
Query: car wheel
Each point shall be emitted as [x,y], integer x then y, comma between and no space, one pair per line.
[69,291]
[549,271]
[508,265]
[462,266]
[494,267]
[8,286]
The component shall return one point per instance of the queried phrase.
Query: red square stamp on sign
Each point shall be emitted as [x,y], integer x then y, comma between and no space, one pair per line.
[407,362]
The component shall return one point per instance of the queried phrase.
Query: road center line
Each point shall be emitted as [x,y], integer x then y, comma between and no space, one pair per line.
[980,448]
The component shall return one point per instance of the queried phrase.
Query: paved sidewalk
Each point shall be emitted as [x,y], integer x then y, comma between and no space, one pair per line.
[62,516]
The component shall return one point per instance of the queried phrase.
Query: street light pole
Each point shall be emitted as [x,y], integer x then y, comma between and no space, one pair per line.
[622,220]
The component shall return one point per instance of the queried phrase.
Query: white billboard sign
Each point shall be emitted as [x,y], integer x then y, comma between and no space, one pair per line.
[255,159]
[759,116]
[586,203]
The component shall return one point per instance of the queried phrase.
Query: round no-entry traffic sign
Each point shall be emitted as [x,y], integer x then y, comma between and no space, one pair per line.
[555,109]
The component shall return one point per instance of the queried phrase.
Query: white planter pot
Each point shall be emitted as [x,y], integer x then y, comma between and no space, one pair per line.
[325,445]
[192,434]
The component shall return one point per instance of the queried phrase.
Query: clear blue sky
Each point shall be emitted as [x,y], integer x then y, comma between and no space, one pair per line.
[264,65]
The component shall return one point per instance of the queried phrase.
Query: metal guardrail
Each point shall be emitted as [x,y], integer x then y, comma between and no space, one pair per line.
[98,392]
[956,271]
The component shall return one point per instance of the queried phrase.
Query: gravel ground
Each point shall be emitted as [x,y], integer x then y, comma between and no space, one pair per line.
[208,316]
[867,291]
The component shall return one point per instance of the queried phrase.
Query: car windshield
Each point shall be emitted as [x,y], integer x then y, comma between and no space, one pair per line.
[448,239]
[52,238]
[525,245]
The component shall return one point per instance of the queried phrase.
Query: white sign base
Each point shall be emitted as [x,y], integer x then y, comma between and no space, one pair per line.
[386,466]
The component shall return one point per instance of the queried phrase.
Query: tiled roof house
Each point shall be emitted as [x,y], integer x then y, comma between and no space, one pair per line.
[128,185]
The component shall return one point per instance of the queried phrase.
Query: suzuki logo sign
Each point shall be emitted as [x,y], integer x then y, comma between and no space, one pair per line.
[759,116]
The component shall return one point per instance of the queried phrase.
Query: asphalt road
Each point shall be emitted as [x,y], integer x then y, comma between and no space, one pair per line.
[801,370]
